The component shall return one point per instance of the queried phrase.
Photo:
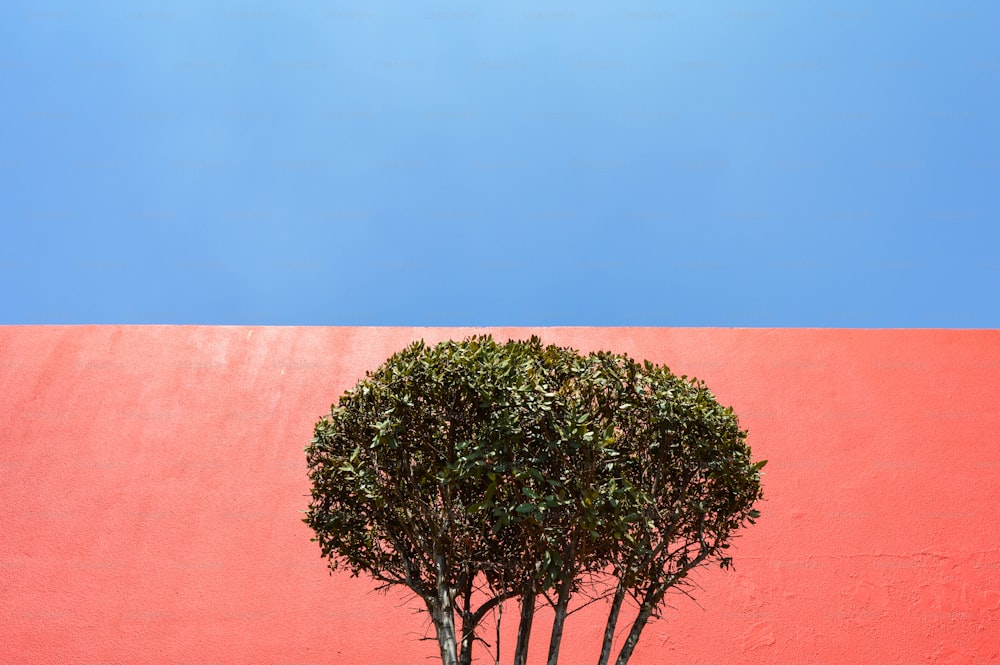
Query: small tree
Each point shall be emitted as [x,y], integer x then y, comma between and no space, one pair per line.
[474,473]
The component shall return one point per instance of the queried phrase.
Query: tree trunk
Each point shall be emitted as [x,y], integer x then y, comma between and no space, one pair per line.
[499,620]
[558,623]
[609,629]
[562,604]
[468,635]
[633,636]
[444,624]
[645,612]
[443,614]
[524,627]
[468,621]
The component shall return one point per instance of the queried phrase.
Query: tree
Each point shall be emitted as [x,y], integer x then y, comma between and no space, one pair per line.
[476,473]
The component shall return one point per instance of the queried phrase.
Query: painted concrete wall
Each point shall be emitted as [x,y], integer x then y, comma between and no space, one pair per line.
[153,478]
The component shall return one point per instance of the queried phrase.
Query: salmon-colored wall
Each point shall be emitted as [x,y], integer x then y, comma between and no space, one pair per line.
[153,478]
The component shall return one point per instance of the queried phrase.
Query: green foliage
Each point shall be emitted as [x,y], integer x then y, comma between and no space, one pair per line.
[493,467]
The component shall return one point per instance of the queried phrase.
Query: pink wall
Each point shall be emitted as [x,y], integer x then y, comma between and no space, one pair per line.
[153,478]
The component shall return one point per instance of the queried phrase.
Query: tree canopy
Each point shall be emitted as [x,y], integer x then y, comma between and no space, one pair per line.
[476,473]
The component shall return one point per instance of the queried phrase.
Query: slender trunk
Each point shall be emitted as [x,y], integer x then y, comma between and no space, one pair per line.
[468,623]
[524,627]
[562,605]
[444,624]
[443,614]
[468,637]
[558,623]
[655,594]
[645,612]
[468,633]
[609,629]
[499,620]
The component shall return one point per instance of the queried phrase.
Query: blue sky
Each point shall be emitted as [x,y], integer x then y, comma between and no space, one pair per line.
[728,163]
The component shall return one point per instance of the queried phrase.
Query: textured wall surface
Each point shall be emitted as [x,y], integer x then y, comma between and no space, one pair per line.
[153,478]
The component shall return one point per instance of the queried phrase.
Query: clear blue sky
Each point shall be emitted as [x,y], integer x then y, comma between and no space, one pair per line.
[725,163]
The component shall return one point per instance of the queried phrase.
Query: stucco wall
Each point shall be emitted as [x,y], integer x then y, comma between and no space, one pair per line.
[153,478]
